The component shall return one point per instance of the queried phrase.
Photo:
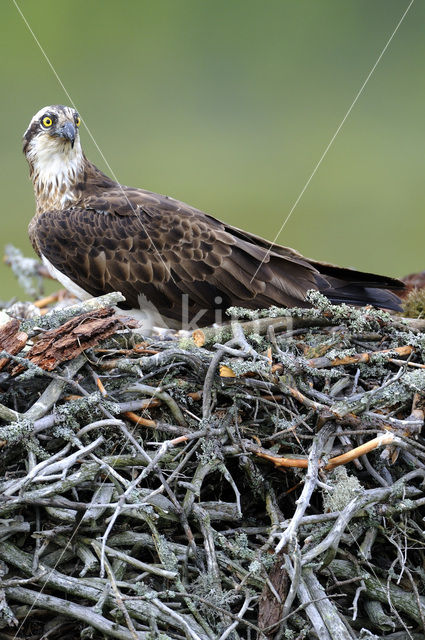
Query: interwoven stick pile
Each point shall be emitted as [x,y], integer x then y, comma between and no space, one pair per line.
[262,481]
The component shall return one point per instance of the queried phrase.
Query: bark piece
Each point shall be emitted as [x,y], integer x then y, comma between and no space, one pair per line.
[270,609]
[72,338]
[11,339]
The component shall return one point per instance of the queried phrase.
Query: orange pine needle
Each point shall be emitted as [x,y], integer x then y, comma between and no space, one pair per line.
[139,420]
[101,387]
[349,456]
[43,302]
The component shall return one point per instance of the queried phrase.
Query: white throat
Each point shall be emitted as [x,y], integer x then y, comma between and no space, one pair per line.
[55,169]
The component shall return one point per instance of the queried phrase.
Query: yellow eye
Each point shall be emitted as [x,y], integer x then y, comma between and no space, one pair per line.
[78,121]
[47,122]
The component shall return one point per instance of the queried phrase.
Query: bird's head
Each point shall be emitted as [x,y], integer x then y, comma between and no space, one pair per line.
[53,129]
[52,147]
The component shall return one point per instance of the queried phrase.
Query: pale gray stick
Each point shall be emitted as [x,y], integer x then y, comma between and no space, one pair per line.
[309,485]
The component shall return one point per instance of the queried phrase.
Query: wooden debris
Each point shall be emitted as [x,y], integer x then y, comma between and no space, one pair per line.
[72,338]
[272,598]
[12,339]
[261,486]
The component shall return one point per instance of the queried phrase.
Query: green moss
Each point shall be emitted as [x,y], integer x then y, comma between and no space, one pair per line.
[86,409]
[240,367]
[414,305]
[168,557]
[345,488]
[258,342]
[16,431]
[187,343]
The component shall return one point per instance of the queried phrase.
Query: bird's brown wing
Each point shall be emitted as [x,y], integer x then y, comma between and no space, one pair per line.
[339,284]
[325,268]
[141,243]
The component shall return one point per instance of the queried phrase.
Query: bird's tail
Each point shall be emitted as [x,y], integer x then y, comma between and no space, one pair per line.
[358,288]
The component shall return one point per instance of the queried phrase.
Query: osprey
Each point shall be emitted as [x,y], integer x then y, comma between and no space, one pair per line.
[172,261]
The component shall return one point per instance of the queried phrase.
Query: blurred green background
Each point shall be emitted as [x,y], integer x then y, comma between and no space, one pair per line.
[228,105]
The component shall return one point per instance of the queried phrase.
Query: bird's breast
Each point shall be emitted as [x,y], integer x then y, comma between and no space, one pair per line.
[50,196]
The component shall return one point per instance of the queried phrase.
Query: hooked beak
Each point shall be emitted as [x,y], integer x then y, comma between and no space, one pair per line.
[67,132]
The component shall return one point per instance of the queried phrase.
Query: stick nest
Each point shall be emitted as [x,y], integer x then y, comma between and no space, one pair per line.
[263,481]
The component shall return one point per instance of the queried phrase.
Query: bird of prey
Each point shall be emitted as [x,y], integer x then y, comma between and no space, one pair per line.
[176,263]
